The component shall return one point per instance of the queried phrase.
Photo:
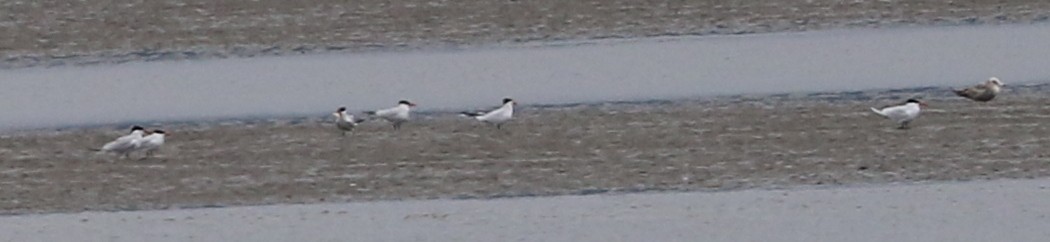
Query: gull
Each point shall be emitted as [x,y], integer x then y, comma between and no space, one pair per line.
[903,113]
[124,145]
[345,121]
[983,92]
[152,142]
[498,117]
[396,115]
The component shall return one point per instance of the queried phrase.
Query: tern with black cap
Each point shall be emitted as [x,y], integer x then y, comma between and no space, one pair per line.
[498,116]
[396,115]
[903,114]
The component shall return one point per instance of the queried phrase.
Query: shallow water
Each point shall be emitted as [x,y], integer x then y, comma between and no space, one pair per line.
[555,73]
[970,211]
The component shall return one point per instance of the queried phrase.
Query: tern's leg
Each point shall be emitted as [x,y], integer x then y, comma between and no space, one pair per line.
[499,126]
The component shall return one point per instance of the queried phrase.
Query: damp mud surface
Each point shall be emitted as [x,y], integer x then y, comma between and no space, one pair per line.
[65,62]
[711,144]
[57,33]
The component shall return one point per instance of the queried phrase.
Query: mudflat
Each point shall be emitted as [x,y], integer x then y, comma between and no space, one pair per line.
[724,143]
[53,33]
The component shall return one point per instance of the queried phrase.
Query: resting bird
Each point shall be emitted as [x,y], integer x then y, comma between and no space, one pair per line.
[124,145]
[902,114]
[983,92]
[345,121]
[396,115]
[498,117]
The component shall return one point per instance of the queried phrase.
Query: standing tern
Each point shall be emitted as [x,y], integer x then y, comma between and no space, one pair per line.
[903,113]
[345,121]
[152,142]
[396,115]
[124,145]
[497,117]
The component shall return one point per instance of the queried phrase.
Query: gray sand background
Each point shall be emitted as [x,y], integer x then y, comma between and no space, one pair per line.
[727,143]
[57,32]
[743,144]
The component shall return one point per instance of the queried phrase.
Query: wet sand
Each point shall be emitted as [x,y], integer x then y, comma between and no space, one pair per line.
[744,144]
[716,144]
[51,33]
[1003,210]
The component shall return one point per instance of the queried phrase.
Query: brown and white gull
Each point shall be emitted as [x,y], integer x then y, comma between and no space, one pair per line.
[983,92]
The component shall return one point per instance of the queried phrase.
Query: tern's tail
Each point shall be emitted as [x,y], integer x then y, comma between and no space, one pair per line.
[470,114]
[371,112]
[877,111]
[94,149]
[961,93]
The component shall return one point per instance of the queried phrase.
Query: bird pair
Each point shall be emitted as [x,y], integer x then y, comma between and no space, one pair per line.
[138,140]
[400,114]
[910,110]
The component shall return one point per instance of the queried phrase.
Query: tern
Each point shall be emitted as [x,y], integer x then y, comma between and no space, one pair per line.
[903,113]
[396,115]
[345,121]
[124,145]
[152,142]
[498,116]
